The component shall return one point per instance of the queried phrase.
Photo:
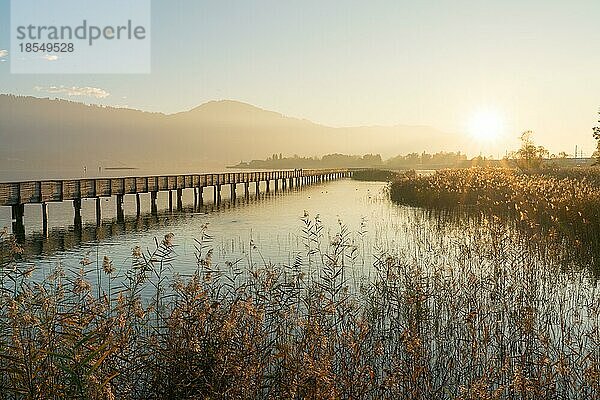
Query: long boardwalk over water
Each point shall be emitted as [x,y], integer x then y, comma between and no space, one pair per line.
[17,194]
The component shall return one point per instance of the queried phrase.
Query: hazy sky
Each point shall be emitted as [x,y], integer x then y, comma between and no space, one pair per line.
[536,63]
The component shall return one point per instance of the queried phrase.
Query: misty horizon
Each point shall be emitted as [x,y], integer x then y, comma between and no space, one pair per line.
[461,141]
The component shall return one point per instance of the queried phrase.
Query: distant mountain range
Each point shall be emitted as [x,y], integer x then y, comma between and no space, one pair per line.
[58,134]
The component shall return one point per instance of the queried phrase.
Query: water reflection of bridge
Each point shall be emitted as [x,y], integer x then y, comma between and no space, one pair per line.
[17,194]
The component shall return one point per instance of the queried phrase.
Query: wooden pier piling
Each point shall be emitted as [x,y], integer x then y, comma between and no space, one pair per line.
[45,219]
[98,211]
[138,206]
[120,212]
[153,207]
[179,199]
[77,212]
[18,228]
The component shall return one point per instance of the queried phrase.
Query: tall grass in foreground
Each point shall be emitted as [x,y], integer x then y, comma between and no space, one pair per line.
[481,315]
[563,202]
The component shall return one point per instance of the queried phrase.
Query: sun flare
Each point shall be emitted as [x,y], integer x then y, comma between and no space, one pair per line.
[486,125]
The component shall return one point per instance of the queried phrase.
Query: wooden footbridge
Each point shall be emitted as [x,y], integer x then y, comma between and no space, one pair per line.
[17,194]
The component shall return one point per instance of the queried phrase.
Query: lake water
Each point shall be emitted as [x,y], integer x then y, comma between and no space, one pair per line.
[271,222]
[269,225]
[264,229]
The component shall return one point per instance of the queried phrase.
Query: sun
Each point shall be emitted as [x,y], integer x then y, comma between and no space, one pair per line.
[486,125]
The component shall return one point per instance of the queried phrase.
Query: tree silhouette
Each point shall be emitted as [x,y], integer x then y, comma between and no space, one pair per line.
[596,134]
[530,157]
